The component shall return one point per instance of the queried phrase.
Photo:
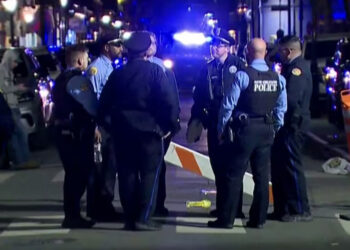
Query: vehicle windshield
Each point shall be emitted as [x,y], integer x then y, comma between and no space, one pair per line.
[323,49]
[47,63]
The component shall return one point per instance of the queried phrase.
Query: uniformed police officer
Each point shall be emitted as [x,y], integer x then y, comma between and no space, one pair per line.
[256,101]
[102,182]
[287,174]
[75,106]
[214,81]
[139,100]
[160,209]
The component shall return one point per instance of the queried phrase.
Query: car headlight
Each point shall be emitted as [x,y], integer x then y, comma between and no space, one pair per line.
[346,78]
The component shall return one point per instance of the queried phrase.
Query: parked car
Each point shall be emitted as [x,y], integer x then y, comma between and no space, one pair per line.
[317,50]
[337,76]
[35,103]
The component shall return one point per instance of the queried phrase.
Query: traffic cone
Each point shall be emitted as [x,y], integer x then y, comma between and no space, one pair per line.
[345,99]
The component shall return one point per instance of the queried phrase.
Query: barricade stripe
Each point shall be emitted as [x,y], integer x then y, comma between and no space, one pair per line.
[188,160]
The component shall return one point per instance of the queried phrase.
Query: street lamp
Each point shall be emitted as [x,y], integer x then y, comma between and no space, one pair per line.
[11,6]
[64,3]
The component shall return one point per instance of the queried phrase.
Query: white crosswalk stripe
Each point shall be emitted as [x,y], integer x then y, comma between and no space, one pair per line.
[18,228]
[59,177]
[5,176]
[198,225]
[344,223]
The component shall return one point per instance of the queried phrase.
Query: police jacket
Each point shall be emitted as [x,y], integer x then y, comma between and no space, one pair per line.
[75,102]
[213,82]
[259,98]
[138,97]
[299,90]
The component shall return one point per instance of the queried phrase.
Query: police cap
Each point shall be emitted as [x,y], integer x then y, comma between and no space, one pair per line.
[138,42]
[108,39]
[223,38]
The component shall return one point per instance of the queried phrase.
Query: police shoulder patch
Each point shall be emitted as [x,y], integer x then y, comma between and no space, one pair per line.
[296,71]
[232,69]
[93,71]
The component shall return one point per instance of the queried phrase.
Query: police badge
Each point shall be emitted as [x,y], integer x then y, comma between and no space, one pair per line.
[232,69]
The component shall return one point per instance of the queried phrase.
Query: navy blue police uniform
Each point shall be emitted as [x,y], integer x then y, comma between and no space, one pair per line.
[140,103]
[102,181]
[287,174]
[255,103]
[6,128]
[213,82]
[160,209]
[75,106]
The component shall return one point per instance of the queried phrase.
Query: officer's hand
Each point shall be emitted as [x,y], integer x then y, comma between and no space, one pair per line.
[98,136]
[220,139]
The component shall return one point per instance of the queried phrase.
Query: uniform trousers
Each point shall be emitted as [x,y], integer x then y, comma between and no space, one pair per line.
[139,158]
[252,143]
[76,153]
[162,182]
[218,154]
[102,181]
[287,174]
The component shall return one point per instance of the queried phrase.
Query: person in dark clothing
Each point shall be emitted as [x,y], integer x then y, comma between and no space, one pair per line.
[75,106]
[160,209]
[6,128]
[256,102]
[214,81]
[287,174]
[144,113]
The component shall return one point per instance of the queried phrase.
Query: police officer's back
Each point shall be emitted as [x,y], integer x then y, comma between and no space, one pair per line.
[75,106]
[137,97]
[256,102]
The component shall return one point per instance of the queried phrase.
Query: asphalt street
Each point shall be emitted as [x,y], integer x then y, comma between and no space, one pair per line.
[31,211]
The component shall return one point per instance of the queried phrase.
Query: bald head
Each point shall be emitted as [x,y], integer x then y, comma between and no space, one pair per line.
[256,49]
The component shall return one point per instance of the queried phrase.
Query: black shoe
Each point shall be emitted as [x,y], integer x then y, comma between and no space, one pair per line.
[288,218]
[129,226]
[240,215]
[213,213]
[252,224]
[220,224]
[273,216]
[149,226]
[162,212]
[107,217]
[344,216]
[77,223]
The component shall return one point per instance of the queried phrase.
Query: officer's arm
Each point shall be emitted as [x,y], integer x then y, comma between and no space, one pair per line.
[200,95]
[295,90]
[230,99]
[281,105]
[166,99]
[105,101]
[94,77]
[79,87]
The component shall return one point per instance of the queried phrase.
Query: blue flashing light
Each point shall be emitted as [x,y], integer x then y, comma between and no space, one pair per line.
[188,38]
[53,48]
[339,15]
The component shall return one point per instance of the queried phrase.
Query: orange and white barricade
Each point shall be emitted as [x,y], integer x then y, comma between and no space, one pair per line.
[345,99]
[199,164]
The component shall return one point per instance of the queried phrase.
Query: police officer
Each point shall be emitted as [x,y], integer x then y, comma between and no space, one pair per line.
[140,102]
[256,101]
[287,174]
[214,81]
[102,182]
[160,209]
[75,106]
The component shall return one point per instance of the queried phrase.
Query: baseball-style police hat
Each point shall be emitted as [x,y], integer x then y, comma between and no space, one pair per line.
[108,39]
[223,38]
[138,42]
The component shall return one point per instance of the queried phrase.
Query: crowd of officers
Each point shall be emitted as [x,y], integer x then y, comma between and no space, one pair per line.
[253,115]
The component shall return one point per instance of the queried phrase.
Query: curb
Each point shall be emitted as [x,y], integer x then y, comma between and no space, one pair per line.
[334,150]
